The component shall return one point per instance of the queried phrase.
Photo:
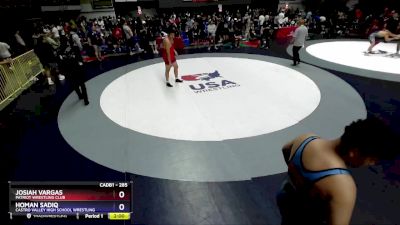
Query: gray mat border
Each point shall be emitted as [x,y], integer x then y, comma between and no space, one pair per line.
[243,158]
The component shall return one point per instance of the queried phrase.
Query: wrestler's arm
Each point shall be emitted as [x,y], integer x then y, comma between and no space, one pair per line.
[389,37]
[340,191]
[390,34]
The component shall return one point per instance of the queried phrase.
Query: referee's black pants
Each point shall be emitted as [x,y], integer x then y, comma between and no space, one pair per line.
[296,55]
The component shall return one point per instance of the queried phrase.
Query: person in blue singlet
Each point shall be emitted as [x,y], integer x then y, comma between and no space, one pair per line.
[319,188]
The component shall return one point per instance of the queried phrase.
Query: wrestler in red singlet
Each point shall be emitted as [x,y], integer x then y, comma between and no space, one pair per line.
[169,57]
[172,53]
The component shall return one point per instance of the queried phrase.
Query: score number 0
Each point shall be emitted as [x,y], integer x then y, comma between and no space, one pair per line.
[121,206]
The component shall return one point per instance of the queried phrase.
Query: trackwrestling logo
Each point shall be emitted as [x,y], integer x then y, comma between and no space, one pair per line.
[205,85]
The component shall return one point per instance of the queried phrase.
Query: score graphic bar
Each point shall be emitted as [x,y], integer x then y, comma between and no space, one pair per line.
[75,200]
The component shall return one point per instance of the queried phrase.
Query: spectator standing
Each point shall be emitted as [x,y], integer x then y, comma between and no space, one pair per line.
[265,38]
[35,36]
[96,41]
[238,36]
[61,30]
[20,43]
[143,41]
[47,56]
[101,24]
[117,35]
[261,20]
[129,36]
[152,40]
[76,39]
[56,33]
[49,39]
[212,29]
[393,23]
[4,51]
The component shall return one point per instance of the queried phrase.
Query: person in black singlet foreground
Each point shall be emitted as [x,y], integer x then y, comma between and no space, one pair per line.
[319,188]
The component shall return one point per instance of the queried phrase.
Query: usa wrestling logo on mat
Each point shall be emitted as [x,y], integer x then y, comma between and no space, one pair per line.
[204,83]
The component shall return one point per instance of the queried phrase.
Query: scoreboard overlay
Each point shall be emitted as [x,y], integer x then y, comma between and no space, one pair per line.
[71,200]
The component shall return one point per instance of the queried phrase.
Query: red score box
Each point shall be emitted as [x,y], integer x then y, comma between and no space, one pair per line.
[98,194]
